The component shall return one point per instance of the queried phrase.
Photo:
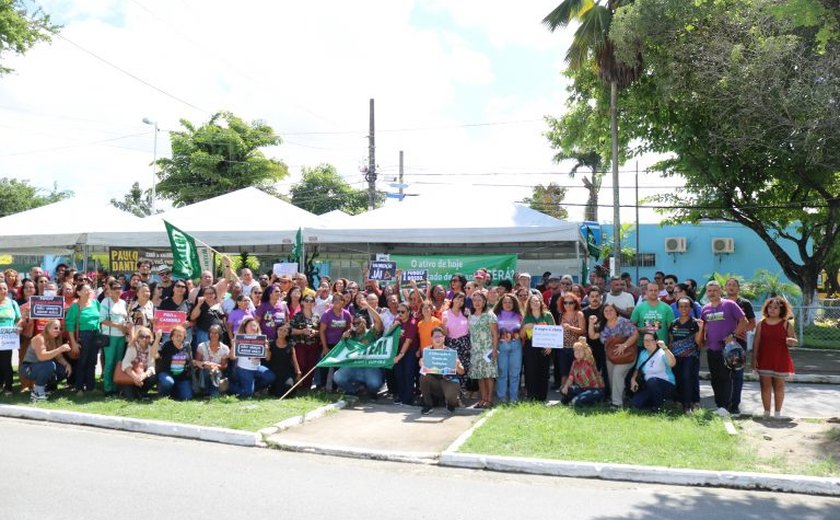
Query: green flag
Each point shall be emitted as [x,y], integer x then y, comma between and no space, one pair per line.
[352,353]
[297,250]
[185,262]
[591,246]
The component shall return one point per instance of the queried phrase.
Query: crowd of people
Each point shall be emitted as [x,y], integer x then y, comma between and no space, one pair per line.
[623,344]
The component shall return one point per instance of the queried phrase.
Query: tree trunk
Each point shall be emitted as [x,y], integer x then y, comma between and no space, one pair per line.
[832,287]
[591,211]
[616,206]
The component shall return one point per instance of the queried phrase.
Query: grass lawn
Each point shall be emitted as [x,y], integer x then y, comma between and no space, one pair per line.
[822,335]
[601,435]
[225,412]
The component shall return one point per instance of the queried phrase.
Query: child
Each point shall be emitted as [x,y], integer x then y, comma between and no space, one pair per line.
[584,386]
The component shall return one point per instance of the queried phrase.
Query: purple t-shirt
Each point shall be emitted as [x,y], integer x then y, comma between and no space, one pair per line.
[721,321]
[270,317]
[336,325]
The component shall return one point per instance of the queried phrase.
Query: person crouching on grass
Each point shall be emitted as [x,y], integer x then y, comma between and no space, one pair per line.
[584,386]
[352,379]
[437,385]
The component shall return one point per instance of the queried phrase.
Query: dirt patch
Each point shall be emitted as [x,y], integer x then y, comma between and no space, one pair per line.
[805,447]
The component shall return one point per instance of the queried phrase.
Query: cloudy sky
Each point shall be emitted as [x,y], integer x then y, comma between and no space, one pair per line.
[461,87]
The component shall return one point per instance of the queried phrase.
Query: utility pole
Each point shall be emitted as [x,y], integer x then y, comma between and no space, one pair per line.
[402,195]
[370,176]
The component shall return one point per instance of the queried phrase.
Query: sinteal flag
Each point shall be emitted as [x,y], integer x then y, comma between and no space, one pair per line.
[442,267]
[352,353]
[185,261]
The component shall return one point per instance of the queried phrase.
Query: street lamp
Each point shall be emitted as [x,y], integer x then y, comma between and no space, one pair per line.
[154,164]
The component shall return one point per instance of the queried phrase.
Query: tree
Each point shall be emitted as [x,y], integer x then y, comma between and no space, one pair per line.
[137,202]
[744,97]
[17,196]
[21,28]
[321,190]
[547,199]
[218,157]
[592,42]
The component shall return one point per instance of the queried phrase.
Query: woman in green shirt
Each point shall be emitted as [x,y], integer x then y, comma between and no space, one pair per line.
[537,360]
[83,327]
[9,317]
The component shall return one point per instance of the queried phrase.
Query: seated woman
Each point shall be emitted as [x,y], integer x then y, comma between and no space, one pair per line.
[584,387]
[211,359]
[251,375]
[175,375]
[654,365]
[44,360]
[440,386]
[351,379]
[137,366]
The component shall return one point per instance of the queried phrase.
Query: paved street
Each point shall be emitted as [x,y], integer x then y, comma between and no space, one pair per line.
[53,471]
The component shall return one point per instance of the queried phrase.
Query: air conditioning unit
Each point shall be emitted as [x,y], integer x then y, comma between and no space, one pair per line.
[723,245]
[675,244]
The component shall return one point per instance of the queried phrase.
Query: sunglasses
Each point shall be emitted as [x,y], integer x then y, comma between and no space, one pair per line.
[568,303]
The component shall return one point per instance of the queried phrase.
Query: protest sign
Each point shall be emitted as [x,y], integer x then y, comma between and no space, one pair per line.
[441,267]
[9,338]
[123,260]
[287,268]
[418,275]
[46,307]
[382,270]
[439,361]
[165,321]
[249,345]
[547,336]
[351,353]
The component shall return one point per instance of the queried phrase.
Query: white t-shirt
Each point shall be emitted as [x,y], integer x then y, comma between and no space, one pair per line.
[246,288]
[622,301]
[113,312]
[213,357]
[322,306]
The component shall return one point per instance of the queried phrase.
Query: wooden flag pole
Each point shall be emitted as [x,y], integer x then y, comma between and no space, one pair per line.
[299,381]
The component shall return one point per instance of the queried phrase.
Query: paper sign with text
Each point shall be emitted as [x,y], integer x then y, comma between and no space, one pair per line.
[46,307]
[418,275]
[165,321]
[285,268]
[250,345]
[439,361]
[9,338]
[382,270]
[547,336]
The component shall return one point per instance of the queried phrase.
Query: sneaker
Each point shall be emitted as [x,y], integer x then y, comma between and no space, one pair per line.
[427,410]
[450,408]
[723,412]
[766,414]
[36,397]
[224,385]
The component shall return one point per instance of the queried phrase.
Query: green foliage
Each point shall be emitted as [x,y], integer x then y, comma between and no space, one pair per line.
[765,284]
[137,202]
[21,27]
[548,200]
[17,196]
[322,190]
[218,157]
[744,101]
[627,252]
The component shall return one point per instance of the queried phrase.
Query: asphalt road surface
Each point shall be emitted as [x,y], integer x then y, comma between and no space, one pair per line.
[54,471]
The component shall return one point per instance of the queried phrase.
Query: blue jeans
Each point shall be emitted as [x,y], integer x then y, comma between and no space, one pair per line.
[407,373]
[578,396]
[179,390]
[510,366]
[348,379]
[653,395]
[86,366]
[250,381]
[43,372]
[685,372]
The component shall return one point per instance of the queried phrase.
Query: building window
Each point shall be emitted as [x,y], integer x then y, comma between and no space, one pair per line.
[639,260]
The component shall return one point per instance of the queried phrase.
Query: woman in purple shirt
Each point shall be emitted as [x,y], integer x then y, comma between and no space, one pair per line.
[272,312]
[509,320]
[333,324]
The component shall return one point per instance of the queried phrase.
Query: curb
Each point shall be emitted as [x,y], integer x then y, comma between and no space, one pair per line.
[164,428]
[355,453]
[648,474]
[298,420]
[825,379]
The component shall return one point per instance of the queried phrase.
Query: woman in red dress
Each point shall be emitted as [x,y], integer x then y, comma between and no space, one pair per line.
[771,357]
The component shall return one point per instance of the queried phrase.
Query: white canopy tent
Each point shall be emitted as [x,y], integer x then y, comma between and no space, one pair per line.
[430,221]
[246,217]
[60,227]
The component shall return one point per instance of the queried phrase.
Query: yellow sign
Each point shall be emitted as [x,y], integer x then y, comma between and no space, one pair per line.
[123,260]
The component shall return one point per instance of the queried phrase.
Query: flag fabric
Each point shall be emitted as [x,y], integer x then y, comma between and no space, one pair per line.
[185,261]
[297,252]
[591,244]
[352,353]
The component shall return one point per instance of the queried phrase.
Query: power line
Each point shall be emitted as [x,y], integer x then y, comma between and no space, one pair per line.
[72,146]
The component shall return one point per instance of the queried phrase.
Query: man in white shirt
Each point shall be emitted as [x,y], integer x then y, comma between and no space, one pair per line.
[622,299]
[246,278]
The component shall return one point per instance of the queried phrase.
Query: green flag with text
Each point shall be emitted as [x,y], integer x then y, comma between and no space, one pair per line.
[185,261]
[351,353]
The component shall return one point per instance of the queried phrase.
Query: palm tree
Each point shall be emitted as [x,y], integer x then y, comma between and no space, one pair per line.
[592,160]
[592,41]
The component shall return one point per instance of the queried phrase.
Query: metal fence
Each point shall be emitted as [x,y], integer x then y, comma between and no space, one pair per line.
[819,326]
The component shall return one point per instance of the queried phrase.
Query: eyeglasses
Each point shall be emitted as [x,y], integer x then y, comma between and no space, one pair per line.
[402,312]
[256,292]
[568,302]
[144,336]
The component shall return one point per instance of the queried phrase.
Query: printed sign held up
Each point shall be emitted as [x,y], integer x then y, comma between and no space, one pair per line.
[418,275]
[165,321]
[250,345]
[382,270]
[438,361]
[547,336]
[46,307]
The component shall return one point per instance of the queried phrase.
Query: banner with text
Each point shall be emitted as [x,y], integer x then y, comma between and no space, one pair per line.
[442,267]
